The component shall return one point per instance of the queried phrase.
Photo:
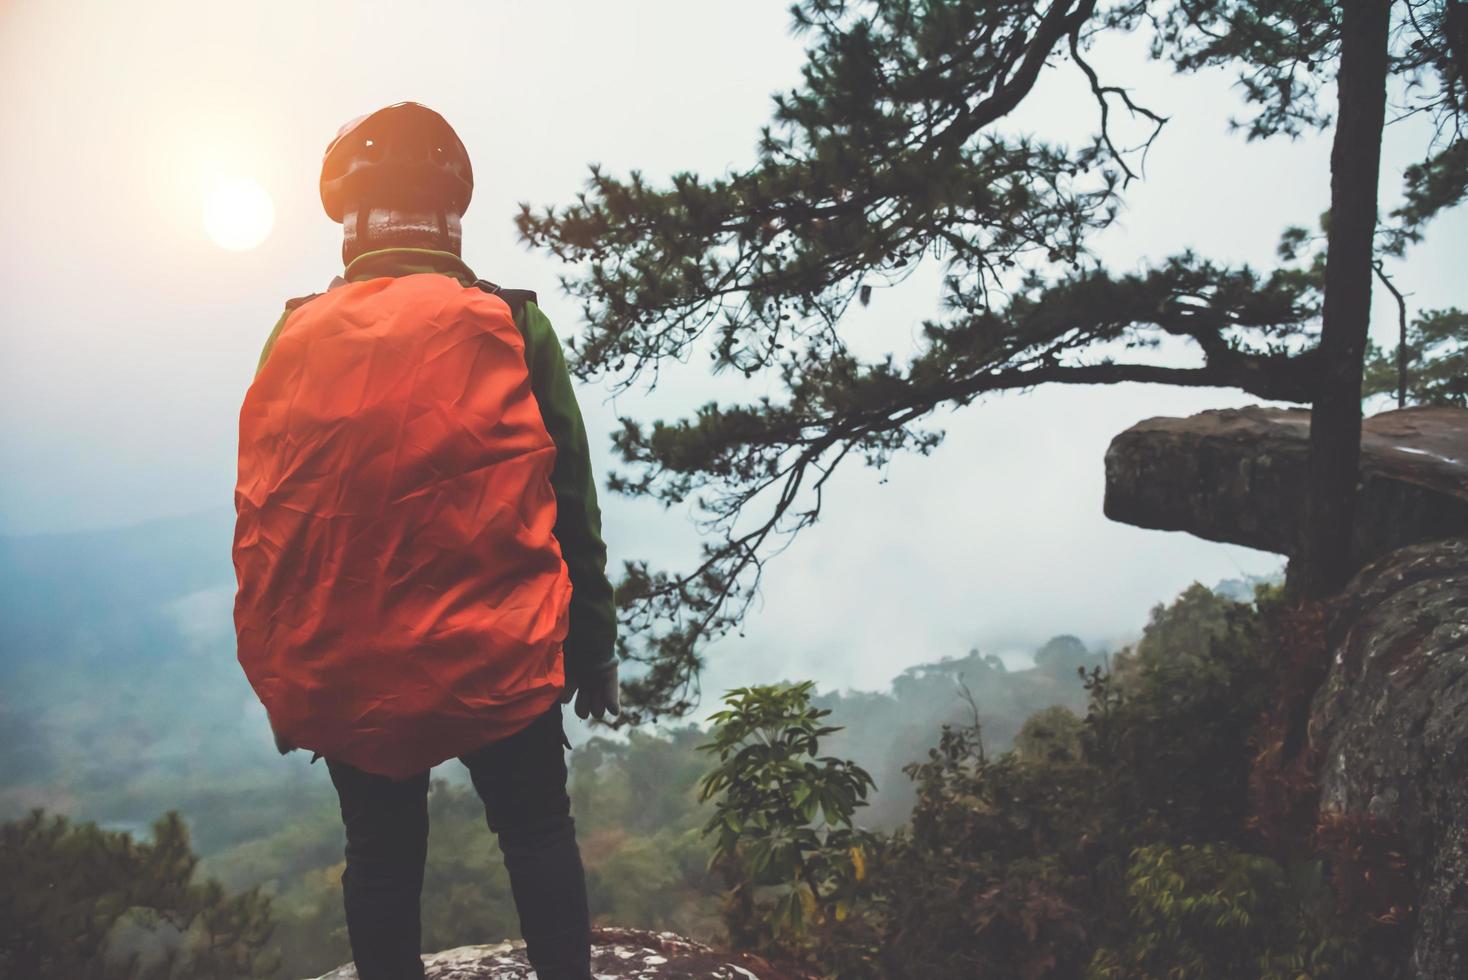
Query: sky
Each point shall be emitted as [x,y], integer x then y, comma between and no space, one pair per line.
[130,337]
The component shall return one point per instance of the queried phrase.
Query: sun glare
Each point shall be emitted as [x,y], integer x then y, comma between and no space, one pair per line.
[238,214]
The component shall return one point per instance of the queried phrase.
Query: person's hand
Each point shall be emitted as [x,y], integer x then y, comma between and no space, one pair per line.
[596,694]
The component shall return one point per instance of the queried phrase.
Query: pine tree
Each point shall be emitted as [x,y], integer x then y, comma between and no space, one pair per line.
[890,150]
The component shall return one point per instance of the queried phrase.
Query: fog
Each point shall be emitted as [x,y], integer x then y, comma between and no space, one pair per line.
[130,338]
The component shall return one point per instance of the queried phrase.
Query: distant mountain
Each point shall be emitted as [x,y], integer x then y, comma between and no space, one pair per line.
[120,692]
[52,583]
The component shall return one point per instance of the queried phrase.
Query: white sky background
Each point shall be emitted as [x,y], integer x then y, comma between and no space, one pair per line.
[129,338]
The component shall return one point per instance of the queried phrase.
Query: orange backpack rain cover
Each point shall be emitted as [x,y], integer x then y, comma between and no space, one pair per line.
[401,596]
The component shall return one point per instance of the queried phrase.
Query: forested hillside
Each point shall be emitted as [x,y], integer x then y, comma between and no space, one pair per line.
[101,733]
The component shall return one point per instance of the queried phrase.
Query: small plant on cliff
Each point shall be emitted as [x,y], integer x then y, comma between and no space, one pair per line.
[782,823]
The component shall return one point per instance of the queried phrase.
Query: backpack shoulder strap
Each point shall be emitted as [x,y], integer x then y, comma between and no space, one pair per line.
[515,299]
[292,304]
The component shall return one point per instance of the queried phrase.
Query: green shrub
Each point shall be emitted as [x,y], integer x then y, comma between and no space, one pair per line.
[81,903]
[986,880]
[782,822]
[1171,724]
[1114,845]
[1051,735]
[1212,912]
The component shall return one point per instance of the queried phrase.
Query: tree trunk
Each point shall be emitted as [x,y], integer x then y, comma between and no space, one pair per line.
[1326,555]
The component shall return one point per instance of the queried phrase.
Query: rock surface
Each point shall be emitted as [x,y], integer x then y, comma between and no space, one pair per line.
[1238,475]
[616,954]
[1391,721]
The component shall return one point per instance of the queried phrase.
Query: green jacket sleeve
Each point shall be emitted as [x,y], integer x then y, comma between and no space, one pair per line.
[270,341]
[591,640]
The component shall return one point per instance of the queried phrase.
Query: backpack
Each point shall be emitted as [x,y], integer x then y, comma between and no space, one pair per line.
[401,597]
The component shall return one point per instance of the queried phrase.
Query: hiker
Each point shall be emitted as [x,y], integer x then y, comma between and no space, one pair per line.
[418,547]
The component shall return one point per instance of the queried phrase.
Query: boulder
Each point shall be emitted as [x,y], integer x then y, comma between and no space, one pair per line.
[1390,724]
[616,954]
[1238,476]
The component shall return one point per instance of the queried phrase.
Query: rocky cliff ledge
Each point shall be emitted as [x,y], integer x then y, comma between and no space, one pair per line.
[1238,475]
[616,954]
[1390,726]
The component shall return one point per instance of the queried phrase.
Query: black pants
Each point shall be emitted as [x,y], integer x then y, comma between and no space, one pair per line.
[522,781]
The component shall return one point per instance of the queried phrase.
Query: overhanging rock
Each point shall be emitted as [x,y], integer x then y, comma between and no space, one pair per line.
[1239,475]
